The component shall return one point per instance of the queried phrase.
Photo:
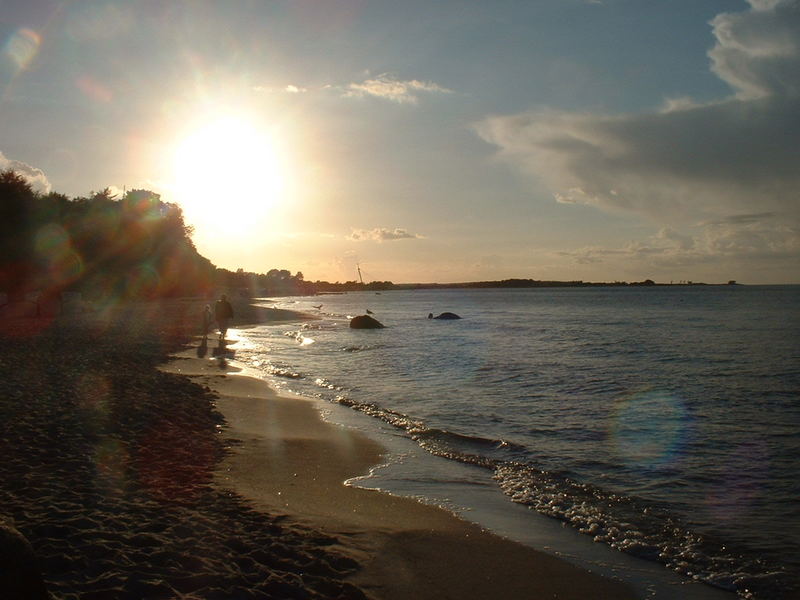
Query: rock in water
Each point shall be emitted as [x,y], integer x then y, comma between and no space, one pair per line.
[365,322]
[20,578]
[447,316]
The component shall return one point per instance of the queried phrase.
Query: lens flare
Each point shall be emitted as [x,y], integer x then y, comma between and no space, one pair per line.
[93,392]
[21,47]
[51,239]
[142,279]
[143,205]
[649,429]
[741,483]
[94,90]
[111,461]
[54,250]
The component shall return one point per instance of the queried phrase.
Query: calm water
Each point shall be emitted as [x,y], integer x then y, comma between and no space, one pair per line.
[662,422]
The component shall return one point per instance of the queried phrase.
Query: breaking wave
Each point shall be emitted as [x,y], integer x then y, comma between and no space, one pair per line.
[627,524]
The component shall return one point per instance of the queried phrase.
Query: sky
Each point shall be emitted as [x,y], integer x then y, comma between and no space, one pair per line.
[446,141]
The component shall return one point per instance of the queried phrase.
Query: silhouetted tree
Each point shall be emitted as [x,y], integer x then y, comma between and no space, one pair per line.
[138,246]
[17,209]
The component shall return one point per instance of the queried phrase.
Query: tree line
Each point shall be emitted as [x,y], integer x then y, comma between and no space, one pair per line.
[134,247]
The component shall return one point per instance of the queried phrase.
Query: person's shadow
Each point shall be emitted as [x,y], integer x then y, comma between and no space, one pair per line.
[202,349]
[221,352]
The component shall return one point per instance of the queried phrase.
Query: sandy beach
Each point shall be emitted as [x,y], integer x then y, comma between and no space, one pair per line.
[194,481]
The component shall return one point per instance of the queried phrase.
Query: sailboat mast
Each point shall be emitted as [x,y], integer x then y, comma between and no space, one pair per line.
[361,279]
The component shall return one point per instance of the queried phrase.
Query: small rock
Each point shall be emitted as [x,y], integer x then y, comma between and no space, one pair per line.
[365,322]
[447,316]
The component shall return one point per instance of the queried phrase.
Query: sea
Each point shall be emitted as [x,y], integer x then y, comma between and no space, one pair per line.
[651,434]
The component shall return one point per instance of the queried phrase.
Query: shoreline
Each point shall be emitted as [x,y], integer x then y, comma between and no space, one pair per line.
[288,460]
[129,481]
[491,510]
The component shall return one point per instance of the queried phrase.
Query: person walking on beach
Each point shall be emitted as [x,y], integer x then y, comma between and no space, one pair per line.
[223,312]
[207,319]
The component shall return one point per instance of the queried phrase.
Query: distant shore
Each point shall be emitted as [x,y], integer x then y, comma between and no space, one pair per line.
[321,288]
[133,482]
[537,283]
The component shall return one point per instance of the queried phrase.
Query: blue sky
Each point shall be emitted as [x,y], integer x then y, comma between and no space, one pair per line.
[428,141]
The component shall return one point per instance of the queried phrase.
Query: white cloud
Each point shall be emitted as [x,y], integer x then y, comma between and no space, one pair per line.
[686,162]
[765,236]
[287,89]
[385,86]
[388,87]
[382,234]
[35,177]
[683,164]
[758,52]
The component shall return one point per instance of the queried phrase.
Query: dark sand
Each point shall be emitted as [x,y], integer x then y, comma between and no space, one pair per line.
[129,483]
[107,468]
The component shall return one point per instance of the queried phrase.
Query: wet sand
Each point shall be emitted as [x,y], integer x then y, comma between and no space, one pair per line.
[289,460]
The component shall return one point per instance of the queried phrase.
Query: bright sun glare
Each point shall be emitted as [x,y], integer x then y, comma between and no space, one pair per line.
[228,175]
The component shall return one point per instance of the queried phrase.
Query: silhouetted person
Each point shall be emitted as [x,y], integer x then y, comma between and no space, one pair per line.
[223,312]
[207,319]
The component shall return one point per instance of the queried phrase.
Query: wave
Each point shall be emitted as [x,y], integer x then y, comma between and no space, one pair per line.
[663,514]
[285,373]
[628,524]
[641,529]
[361,348]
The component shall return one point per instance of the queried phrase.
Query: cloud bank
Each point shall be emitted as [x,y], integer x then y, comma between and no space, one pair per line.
[35,177]
[687,159]
[743,237]
[382,234]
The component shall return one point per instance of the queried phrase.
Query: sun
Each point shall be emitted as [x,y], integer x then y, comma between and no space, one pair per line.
[228,174]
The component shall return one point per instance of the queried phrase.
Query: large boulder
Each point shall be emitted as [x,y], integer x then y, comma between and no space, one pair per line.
[20,578]
[447,316]
[365,322]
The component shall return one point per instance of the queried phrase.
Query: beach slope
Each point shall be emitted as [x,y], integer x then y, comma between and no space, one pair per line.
[289,461]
